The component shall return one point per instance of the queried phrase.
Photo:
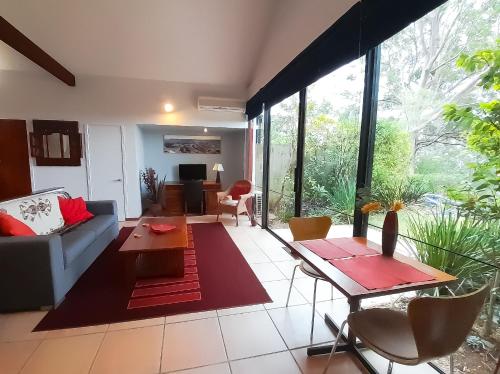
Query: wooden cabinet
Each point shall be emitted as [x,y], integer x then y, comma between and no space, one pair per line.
[15,178]
[173,198]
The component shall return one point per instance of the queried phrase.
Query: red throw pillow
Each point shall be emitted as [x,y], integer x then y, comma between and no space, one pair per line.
[10,226]
[74,210]
[240,188]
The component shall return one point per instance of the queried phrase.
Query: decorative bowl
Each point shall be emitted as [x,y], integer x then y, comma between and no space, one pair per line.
[161,228]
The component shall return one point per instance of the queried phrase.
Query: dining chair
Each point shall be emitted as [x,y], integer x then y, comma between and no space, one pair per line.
[309,228]
[432,327]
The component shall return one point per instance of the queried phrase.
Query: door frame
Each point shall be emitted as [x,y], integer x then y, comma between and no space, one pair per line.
[299,158]
[123,162]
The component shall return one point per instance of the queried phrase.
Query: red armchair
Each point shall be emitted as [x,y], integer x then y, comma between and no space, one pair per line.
[233,200]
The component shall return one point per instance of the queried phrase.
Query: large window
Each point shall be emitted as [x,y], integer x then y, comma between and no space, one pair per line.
[437,161]
[333,115]
[437,150]
[421,156]
[283,161]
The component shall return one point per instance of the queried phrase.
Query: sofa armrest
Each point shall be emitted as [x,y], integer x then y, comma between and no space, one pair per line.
[102,207]
[31,272]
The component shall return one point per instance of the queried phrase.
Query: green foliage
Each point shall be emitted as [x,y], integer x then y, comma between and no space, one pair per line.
[339,204]
[462,235]
[330,162]
[418,77]
[442,167]
[487,61]
[458,194]
[408,191]
[285,209]
[481,124]
[392,153]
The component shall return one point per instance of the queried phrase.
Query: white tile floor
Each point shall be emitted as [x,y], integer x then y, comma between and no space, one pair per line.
[264,339]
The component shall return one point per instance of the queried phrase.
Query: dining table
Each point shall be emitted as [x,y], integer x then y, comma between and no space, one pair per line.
[352,289]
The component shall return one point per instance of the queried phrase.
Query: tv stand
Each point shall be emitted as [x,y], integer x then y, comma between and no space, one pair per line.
[173,197]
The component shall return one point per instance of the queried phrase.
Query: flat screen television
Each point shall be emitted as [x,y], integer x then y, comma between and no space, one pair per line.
[189,172]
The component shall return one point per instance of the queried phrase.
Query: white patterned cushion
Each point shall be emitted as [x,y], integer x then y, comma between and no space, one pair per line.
[39,211]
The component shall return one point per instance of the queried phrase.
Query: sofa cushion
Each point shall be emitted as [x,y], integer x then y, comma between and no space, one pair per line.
[75,242]
[9,226]
[39,211]
[98,224]
[73,210]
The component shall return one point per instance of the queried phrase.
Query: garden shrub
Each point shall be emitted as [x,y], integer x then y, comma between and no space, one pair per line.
[392,154]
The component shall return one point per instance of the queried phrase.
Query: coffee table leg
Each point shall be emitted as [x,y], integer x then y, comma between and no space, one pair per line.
[160,264]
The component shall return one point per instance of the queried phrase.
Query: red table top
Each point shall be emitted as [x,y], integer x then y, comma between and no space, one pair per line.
[350,287]
[379,272]
[329,249]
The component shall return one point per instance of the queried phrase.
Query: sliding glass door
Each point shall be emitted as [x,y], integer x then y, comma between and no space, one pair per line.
[332,129]
[258,165]
[282,161]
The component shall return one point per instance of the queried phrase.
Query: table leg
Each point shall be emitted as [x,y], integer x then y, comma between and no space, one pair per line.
[354,305]
[349,342]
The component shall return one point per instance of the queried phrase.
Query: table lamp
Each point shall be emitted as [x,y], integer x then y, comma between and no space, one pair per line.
[218,168]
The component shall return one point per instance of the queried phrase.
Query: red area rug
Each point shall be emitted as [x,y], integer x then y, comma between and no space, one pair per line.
[217,277]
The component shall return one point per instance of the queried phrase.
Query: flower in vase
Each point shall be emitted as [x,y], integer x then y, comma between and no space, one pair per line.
[397,206]
[371,207]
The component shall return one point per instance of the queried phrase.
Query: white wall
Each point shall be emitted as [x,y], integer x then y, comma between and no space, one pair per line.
[231,156]
[106,101]
[296,23]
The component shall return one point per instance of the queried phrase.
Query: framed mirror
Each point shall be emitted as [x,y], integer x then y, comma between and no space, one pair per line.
[56,143]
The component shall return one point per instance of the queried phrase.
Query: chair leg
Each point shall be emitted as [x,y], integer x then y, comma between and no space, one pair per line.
[291,284]
[334,348]
[314,308]
[217,220]
[389,369]
[452,364]
[331,295]
[236,219]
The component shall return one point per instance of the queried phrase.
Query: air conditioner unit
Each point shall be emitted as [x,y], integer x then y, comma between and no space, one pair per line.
[257,204]
[217,104]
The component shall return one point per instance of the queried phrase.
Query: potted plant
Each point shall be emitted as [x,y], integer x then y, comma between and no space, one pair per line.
[154,189]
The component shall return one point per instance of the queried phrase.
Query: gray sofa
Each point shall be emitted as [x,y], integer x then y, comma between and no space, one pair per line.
[37,271]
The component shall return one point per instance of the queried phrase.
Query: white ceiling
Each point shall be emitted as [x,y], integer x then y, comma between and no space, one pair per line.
[196,41]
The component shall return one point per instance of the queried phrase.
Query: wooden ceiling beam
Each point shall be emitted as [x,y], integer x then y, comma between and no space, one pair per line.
[17,40]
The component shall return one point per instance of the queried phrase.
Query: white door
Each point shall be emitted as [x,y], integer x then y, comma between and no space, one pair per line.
[105,165]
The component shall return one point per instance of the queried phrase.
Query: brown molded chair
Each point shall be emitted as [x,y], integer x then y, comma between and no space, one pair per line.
[234,199]
[432,327]
[309,228]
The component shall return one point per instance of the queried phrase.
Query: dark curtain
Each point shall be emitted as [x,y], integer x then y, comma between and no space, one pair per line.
[367,24]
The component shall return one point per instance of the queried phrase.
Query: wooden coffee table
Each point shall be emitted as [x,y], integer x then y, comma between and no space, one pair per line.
[158,254]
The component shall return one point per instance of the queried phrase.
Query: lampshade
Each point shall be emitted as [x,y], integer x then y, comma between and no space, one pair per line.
[218,167]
